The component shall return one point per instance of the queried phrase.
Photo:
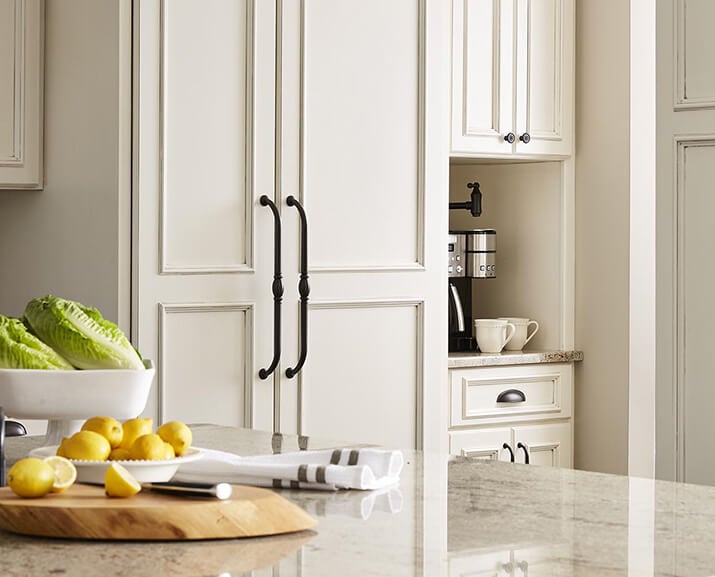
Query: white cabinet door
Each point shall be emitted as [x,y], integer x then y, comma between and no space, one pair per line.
[545,78]
[359,149]
[548,445]
[512,78]
[21,100]
[346,110]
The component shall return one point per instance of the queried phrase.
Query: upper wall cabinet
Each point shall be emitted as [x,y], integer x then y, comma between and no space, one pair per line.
[21,101]
[512,78]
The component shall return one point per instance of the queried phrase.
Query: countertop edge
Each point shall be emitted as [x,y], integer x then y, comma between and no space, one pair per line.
[472,360]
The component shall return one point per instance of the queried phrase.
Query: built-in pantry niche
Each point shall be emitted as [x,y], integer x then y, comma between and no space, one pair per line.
[523,203]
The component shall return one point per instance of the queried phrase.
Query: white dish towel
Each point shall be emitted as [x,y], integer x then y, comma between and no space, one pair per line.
[363,469]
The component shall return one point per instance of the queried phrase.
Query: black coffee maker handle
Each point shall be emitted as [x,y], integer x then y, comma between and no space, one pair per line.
[456,309]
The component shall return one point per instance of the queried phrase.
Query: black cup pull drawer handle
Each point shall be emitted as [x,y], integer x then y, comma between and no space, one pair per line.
[511,452]
[276,287]
[303,287]
[511,396]
[521,445]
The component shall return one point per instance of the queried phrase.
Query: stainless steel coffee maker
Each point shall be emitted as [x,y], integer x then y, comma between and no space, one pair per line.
[471,254]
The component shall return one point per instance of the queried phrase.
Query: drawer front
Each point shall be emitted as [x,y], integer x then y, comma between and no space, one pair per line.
[474,394]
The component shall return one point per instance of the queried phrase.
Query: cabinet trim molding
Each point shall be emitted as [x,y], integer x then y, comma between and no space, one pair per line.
[166,309]
[681,100]
[22,166]
[418,264]
[419,307]
[246,267]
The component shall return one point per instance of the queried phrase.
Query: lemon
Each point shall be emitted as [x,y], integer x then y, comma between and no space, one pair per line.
[119,454]
[168,451]
[87,446]
[118,482]
[148,447]
[61,448]
[177,434]
[31,477]
[108,427]
[65,473]
[135,428]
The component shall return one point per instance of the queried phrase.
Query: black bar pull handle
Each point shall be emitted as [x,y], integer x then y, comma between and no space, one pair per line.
[277,288]
[521,445]
[303,287]
[511,452]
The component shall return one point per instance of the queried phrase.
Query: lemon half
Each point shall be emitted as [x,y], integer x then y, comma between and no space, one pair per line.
[119,482]
[65,473]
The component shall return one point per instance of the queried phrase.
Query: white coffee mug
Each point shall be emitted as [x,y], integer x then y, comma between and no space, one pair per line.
[521,334]
[493,334]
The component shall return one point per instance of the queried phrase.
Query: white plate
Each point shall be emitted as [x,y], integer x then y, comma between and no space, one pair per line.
[143,471]
[72,395]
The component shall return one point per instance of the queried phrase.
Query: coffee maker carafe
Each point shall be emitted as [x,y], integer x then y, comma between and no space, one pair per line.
[471,254]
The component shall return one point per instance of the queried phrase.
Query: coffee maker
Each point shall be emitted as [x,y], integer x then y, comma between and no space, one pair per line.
[471,254]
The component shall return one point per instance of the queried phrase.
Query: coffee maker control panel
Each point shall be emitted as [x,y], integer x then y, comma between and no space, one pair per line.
[455,256]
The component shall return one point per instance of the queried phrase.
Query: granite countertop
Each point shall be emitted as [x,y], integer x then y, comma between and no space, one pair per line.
[474,359]
[447,518]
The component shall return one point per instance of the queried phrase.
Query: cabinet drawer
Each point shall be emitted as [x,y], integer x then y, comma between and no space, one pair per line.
[546,389]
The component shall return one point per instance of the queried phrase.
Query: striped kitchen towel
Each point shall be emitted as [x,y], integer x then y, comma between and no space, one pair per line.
[363,469]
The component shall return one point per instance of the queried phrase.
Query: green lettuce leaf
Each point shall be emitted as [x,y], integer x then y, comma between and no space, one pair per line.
[20,349]
[80,334]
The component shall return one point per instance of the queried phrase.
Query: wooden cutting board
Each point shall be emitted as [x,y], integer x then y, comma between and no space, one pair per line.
[85,512]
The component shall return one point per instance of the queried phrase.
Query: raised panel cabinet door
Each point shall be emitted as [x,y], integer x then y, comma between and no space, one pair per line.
[545,77]
[21,93]
[363,122]
[482,77]
[549,445]
[203,245]
[493,444]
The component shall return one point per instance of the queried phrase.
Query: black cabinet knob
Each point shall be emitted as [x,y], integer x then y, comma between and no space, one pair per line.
[510,137]
[525,138]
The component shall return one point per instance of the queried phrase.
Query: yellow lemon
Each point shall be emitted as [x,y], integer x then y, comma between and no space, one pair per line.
[61,448]
[119,454]
[135,428]
[118,482]
[31,477]
[168,451]
[87,446]
[148,447]
[108,427]
[177,434]
[65,473]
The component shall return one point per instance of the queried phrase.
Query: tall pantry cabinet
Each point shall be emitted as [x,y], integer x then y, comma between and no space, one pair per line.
[513,100]
[342,106]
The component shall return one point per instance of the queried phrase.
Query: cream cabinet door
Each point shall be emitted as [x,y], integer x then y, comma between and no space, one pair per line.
[364,147]
[21,94]
[512,78]
[549,444]
[342,104]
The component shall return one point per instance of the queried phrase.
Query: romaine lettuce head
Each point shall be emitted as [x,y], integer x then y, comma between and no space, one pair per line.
[80,334]
[20,349]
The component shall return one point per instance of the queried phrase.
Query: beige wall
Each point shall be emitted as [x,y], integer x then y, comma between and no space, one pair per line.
[602,234]
[71,238]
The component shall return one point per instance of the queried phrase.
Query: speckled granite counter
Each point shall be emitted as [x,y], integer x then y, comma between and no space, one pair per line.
[446,519]
[468,360]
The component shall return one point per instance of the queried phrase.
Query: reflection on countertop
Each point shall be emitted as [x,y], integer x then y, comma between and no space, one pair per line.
[448,517]
[474,359]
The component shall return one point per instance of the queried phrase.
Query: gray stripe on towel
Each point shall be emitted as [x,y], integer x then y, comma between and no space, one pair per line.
[354,454]
[335,457]
[303,473]
[320,475]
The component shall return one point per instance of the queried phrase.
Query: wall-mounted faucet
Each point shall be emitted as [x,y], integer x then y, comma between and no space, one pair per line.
[475,204]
